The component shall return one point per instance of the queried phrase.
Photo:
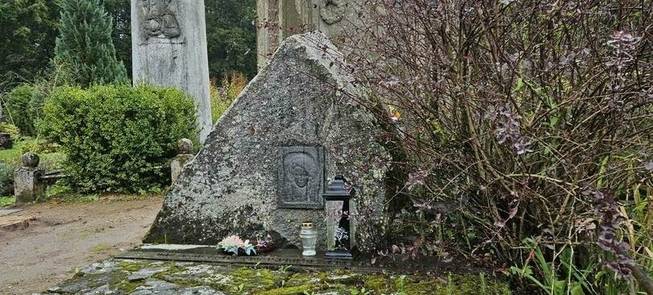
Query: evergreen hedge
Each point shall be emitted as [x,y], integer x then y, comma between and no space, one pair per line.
[118,138]
[23,107]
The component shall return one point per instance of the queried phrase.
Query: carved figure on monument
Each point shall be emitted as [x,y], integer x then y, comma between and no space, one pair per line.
[300,177]
[160,19]
[300,172]
[332,11]
[169,49]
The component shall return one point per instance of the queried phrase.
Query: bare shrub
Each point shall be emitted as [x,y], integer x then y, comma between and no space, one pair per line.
[509,110]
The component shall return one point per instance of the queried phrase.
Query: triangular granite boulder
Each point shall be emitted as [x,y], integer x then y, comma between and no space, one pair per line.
[268,159]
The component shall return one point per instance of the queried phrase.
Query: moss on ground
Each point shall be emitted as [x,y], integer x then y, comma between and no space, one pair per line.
[262,281]
[132,265]
[294,290]
[377,283]
[247,280]
[127,287]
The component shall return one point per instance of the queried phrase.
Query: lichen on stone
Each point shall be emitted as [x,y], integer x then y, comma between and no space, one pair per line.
[232,186]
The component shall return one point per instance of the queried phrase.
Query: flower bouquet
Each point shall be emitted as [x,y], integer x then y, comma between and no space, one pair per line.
[234,245]
[265,245]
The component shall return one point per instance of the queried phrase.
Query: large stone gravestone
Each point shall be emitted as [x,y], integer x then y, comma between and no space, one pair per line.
[266,163]
[169,49]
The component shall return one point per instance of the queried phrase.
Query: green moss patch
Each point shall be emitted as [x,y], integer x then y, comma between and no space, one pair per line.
[246,280]
[295,290]
[127,286]
[132,265]
[262,281]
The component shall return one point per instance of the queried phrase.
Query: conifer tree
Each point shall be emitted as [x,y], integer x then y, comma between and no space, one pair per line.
[84,49]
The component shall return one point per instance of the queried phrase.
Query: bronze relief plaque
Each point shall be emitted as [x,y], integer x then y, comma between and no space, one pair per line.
[300,178]
[159,19]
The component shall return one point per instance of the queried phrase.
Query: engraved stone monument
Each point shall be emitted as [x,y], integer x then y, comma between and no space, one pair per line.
[169,49]
[264,166]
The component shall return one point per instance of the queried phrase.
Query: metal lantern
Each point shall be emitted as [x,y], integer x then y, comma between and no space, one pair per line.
[339,191]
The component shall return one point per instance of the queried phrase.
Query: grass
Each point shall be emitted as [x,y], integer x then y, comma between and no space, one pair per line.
[7,201]
[63,194]
[49,160]
[223,96]
[58,195]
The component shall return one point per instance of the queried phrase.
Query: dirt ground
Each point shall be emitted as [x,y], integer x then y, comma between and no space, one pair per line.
[53,240]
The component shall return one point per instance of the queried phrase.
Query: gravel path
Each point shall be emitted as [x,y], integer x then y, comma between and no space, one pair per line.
[55,239]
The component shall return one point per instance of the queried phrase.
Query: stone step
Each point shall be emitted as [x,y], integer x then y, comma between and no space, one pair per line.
[15,223]
[5,212]
[209,254]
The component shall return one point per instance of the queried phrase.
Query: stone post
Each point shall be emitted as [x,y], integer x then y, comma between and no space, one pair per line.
[5,141]
[5,138]
[169,49]
[184,154]
[27,185]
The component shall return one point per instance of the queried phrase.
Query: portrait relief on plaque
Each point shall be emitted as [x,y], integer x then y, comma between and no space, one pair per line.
[301,177]
[160,19]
